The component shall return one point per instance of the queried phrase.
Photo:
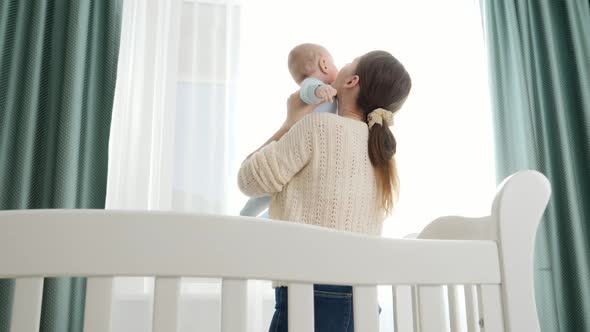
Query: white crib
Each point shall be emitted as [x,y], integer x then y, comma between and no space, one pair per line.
[491,256]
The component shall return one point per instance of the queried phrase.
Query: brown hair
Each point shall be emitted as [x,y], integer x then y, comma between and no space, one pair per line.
[383,83]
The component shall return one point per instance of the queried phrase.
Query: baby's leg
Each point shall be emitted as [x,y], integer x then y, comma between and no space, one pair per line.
[255,206]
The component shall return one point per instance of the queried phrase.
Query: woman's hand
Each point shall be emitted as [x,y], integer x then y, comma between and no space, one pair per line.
[296,109]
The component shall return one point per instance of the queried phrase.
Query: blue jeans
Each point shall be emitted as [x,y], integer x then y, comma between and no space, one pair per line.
[332,309]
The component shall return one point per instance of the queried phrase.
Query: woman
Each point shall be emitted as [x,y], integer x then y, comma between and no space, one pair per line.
[335,171]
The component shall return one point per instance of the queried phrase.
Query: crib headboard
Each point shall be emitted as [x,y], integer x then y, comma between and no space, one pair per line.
[516,211]
[100,244]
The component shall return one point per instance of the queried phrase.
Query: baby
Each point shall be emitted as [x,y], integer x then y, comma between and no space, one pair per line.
[313,69]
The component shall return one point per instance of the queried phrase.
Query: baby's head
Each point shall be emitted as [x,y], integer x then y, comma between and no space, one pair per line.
[311,60]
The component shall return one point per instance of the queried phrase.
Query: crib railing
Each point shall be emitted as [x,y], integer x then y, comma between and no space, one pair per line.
[492,256]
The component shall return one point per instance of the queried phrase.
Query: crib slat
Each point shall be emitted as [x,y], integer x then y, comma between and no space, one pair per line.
[234,304]
[26,309]
[366,309]
[433,316]
[403,312]
[300,303]
[166,294]
[490,308]
[98,307]
[455,318]
[415,308]
[471,307]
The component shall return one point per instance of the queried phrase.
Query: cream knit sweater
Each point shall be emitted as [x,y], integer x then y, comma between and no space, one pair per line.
[318,173]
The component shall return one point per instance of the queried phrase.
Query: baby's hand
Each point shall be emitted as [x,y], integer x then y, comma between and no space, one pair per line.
[326,93]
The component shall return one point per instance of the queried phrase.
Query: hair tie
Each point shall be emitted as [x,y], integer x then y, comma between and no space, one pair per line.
[380,115]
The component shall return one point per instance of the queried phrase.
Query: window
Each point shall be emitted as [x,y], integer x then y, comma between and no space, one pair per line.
[444,132]
[231,86]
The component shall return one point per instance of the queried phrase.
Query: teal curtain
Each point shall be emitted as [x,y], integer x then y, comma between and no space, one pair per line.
[58,62]
[539,56]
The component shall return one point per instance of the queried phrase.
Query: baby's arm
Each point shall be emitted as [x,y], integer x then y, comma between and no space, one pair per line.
[326,93]
[314,91]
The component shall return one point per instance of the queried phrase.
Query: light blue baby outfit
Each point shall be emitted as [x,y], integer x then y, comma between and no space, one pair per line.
[256,205]
[307,94]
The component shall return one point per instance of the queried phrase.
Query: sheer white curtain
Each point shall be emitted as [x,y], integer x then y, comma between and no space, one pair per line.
[202,83]
[171,138]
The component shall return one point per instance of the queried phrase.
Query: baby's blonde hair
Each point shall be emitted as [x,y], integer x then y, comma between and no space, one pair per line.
[303,60]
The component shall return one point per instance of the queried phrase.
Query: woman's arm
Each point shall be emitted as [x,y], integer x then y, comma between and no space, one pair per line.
[296,109]
[268,170]
[275,137]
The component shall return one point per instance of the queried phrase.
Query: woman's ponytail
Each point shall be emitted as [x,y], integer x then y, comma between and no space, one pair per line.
[382,148]
[384,85]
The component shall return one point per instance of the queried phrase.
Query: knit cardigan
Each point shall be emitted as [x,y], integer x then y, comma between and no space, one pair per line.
[318,173]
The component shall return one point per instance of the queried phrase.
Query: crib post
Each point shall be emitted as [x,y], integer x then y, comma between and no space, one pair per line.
[234,305]
[300,304]
[98,307]
[454,311]
[431,306]
[365,308]
[516,212]
[26,313]
[403,308]
[471,307]
[166,297]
